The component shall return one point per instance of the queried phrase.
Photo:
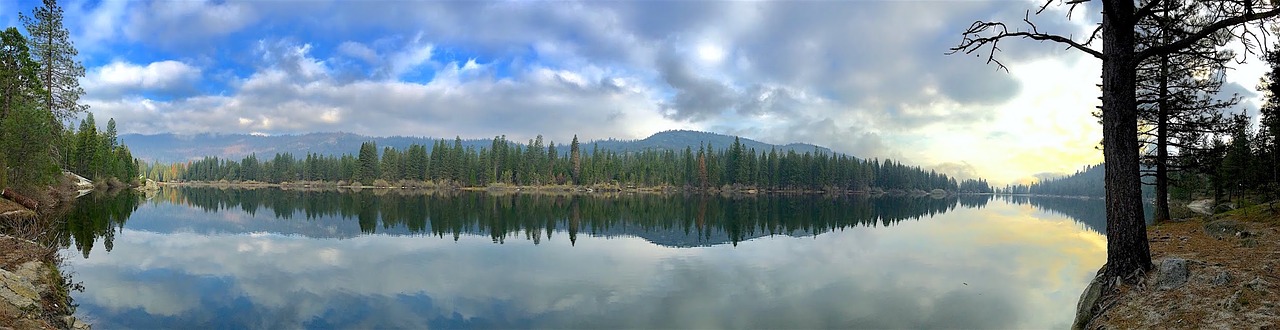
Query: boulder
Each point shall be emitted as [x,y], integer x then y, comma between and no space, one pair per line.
[1173,273]
[17,292]
[33,272]
[1223,228]
[73,323]
[1088,299]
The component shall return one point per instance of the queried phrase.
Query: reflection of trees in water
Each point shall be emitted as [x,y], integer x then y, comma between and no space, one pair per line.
[97,216]
[673,220]
[1090,212]
[679,220]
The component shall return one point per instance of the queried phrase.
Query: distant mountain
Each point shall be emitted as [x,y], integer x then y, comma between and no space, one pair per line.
[177,148]
[678,140]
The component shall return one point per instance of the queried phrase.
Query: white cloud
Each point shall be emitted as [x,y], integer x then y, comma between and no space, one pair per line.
[101,23]
[296,93]
[847,75]
[182,23]
[360,51]
[120,78]
[414,55]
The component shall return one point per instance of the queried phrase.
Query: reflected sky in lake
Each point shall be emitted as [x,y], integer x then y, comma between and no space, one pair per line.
[1000,265]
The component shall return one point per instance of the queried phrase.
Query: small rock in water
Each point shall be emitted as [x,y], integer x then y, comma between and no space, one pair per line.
[1173,273]
[73,323]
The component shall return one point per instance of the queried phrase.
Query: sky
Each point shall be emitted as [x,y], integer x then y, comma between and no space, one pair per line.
[866,78]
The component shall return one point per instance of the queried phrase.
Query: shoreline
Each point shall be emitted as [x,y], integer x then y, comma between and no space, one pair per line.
[1210,271]
[34,292]
[564,189]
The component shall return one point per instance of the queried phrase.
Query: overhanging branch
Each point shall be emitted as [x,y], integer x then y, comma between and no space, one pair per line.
[982,34]
[1205,32]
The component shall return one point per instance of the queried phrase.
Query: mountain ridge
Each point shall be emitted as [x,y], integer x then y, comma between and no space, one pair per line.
[170,147]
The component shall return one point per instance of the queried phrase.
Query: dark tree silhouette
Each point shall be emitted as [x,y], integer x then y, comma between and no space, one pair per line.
[1177,95]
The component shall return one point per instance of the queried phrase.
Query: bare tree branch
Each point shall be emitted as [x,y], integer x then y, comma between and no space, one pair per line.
[975,39]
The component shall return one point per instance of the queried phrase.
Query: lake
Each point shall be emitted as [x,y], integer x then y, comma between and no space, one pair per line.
[268,258]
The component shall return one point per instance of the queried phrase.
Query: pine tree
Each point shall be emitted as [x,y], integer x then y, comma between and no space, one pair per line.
[391,165]
[1177,94]
[34,165]
[59,70]
[19,88]
[367,163]
[1270,110]
[575,160]
[112,139]
[86,146]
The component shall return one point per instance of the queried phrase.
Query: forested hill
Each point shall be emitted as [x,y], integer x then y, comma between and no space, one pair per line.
[1088,182]
[168,148]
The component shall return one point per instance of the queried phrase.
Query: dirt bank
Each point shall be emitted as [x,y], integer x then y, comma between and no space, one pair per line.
[1220,271]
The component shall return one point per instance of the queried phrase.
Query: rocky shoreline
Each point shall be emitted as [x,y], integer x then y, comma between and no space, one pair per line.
[33,292]
[1211,271]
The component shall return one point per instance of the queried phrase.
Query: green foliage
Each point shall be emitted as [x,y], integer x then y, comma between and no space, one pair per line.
[391,162]
[532,164]
[33,163]
[97,155]
[367,163]
[1085,182]
[59,71]
[19,88]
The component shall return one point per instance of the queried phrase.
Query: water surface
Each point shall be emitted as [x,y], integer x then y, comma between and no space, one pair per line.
[268,258]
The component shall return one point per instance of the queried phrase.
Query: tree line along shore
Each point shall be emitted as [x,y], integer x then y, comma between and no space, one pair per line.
[509,165]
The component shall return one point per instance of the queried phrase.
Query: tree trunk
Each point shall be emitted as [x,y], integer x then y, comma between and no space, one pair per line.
[1162,144]
[1127,249]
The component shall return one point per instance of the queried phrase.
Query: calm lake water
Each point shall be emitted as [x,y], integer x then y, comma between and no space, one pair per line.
[268,258]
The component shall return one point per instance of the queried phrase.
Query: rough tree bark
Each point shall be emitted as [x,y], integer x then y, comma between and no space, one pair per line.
[1127,249]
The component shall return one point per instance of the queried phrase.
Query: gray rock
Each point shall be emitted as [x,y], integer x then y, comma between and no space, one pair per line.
[1173,273]
[1257,284]
[1233,302]
[33,272]
[74,323]
[1089,298]
[17,292]
[1223,228]
[1223,278]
